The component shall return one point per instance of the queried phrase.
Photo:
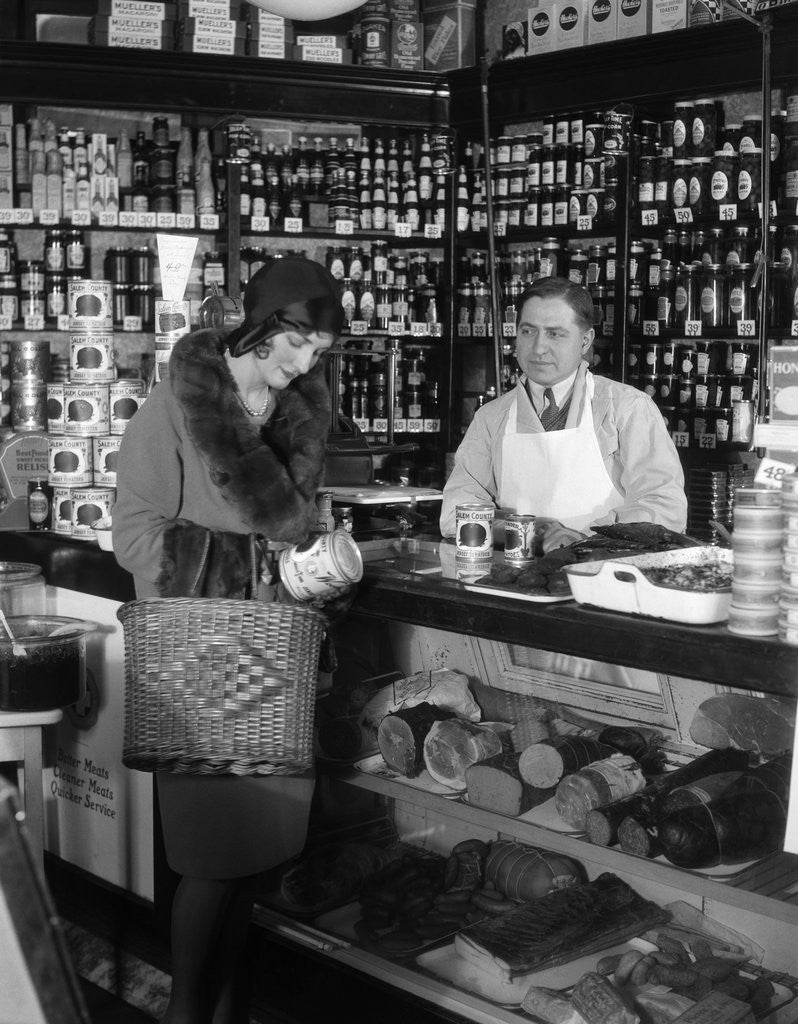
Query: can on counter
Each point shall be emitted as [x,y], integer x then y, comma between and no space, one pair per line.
[320,565]
[90,305]
[105,455]
[125,397]
[172,318]
[28,406]
[91,357]
[88,505]
[62,510]
[69,461]
[474,530]
[519,538]
[86,408]
[29,360]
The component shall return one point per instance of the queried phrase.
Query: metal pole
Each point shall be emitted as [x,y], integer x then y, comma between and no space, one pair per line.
[763,270]
[493,277]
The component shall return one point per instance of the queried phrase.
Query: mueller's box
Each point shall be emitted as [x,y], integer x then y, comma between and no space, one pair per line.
[150,9]
[634,18]
[540,35]
[131,36]
[449,34]
[318,39]
[602,21]
[667,15]
[783,381]
[406,45]
[322,54]
[223,28]
[570,24]
[213,9]
[226,46]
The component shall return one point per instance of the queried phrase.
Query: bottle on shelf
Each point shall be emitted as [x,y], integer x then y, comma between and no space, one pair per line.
[202,153]
[245,194]
[392,164]
[379,168]
[303,164]
[68,185]
[379,204]
[206,193]
[259,206]
[124,161]
[393,204]
[65,145]
[317,173]
[364,166]
[22,166]
[332,164]
[366,219]
[425,173]
[140,161]
[463,209]
[53,167]
[287,166]
[184,165]
[349,160]
[80,153]
[408,167]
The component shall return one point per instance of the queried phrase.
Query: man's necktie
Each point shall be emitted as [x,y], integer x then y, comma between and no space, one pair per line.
[550,412]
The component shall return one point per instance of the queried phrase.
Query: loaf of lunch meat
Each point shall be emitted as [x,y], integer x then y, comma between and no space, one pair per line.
[496,785]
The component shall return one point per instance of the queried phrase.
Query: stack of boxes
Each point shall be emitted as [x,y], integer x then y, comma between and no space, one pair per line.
[211,26]
[269,35]
[134,24]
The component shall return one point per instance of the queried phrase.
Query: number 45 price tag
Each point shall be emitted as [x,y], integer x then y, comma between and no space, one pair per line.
[771,471]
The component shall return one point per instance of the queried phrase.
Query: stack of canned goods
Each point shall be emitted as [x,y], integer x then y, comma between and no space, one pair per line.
[788,602]
[130,271]
[28,371]
[87,414]
[757,543]
[38,287]
[172,321]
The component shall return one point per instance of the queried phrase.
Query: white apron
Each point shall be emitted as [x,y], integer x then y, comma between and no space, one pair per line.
[559,474]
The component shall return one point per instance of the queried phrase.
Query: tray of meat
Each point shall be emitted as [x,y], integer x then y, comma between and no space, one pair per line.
[690,585]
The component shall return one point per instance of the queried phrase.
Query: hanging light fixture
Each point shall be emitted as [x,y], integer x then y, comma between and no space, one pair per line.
[307,10]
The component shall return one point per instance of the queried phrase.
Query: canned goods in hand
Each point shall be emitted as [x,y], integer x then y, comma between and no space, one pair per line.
[321,566]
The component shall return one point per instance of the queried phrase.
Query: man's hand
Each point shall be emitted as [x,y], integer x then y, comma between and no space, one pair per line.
[555,535]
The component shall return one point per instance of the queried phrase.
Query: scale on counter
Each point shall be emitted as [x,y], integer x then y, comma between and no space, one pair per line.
[387,494]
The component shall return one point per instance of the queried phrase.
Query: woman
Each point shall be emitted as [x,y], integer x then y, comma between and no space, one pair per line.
[225,456]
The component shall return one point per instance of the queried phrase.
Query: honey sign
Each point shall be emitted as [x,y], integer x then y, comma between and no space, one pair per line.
[783,382]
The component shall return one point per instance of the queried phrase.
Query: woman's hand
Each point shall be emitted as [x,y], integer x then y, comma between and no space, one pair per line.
[555,535]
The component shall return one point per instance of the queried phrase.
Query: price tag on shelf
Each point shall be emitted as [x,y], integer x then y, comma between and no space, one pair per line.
[435,330]
[165,221]
[23,216]
[771,471]
[464,330]
[402,229]
[344,227]
[607,329]
[185,221]
[432,426]
[508,330]
[681,438]
[48,218]
[651,328]
[400,425]
[293,225]
[148,219]
[34,322]
[692,328]
[683,215]
[128,219]
[479,331]
[649,218]
[584,222]
[500,229]
[432,231]
[132,323]
[746,328]
[707,441]
[6,323]
[358,327]
[415,426]
[361,425]
[419,330]
[7,216]
[727,211]
[379,426]
[397,327]
[63,322]
[81,218]
[209,222]
[260,225]
[110,218]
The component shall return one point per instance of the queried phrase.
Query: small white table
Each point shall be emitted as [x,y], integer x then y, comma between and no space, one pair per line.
[21,740]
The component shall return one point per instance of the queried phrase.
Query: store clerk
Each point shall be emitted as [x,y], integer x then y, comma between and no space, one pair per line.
[575,450]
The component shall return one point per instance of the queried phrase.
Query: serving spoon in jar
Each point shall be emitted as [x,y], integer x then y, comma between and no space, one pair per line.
[17,648]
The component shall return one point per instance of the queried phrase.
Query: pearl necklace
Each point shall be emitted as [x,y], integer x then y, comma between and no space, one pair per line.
[263,408]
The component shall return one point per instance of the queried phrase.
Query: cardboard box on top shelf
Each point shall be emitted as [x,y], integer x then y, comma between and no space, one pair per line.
[407,45]
[206,42]
[272,49]
[634,18]
[154,27]
[214,9]
[668,15]
[514,40]
[318,39]
[540,23]
[224,28]
[570,24]
[602,21]
[322,54]
[130,33]
[150,9]
[704,12]
[449,34]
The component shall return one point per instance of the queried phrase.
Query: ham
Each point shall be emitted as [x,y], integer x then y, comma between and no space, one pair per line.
[452,746]
[401,736]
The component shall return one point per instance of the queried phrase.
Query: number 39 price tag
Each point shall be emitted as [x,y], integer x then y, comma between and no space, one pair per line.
[771,471]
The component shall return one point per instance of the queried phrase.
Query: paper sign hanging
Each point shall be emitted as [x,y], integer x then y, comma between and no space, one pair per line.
[175,256]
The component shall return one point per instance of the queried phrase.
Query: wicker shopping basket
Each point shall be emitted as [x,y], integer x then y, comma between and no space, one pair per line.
[219,686]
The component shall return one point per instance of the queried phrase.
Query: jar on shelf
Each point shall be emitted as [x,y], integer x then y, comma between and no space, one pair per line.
[740,298]
[749,181]
[713,296]
[687,296]
[55,251]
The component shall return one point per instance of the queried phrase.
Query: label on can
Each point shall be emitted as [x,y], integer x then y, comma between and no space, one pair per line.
[62,509]
[105,455]
[320,565]
[519,538]
[125,398]
[474,530]
[90,305]
[86,409]
[29,360]
[55,408]
[172,318]
[91,357]
[88,505]
[29,406]
[69,460]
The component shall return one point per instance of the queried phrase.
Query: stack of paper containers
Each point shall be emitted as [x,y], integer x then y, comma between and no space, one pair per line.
[757,543]
[788,604]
